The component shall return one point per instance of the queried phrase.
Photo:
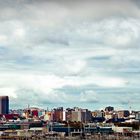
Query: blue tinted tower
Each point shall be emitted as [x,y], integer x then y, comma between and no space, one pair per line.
[4,104]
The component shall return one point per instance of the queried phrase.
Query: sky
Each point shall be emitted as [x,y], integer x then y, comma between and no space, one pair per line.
[69,53]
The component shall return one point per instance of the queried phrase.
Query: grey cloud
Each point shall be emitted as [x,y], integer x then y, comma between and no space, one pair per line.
[60,41]
[29,96]
[37,98]
[64,9]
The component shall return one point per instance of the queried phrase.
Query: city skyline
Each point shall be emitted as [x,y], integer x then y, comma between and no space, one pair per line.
[70,53]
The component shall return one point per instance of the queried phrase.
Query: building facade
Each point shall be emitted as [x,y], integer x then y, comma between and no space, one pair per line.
[4,104]
[58,114]
[123,113]
[137,116]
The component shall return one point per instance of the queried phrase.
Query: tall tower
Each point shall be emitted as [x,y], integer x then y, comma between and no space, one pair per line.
[4,104]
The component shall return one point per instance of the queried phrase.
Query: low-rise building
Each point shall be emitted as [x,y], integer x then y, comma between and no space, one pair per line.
[123,113]
[137,116]
[122,129]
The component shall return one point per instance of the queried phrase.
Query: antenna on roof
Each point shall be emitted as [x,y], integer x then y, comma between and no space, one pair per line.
[28,106]
[130,108]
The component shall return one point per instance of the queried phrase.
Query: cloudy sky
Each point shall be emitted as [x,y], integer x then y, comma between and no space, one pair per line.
[82,53]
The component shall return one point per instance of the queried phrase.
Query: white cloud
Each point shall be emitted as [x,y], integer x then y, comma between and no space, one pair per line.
[45,85]
[110,82]
[3,38]
[98,80]
[75,66]
[8,91]
[19,32]
[89,96]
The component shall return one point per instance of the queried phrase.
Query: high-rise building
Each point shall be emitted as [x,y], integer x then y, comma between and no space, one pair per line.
[58,114]
[4,104]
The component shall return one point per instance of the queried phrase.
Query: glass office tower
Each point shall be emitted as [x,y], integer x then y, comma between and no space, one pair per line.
[4,104]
